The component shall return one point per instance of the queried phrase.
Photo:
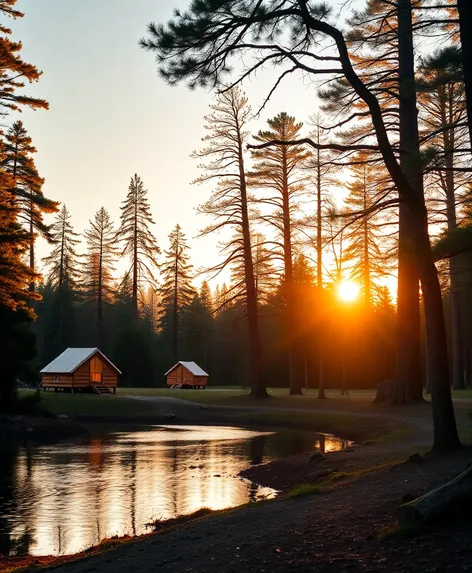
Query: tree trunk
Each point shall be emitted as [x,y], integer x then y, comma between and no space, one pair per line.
[456,493]
[135,264]
[175,313]
[465,21]
[295,371]
[445,430]
[258,389]
[408,384]
[100,293]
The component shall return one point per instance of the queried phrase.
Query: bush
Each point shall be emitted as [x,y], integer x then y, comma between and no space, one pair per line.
[28,405]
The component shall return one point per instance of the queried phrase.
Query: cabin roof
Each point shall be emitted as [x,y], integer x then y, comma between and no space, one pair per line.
[191,366]
[71,359]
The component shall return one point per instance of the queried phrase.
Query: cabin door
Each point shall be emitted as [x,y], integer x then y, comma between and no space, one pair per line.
[180,375]
[96,370]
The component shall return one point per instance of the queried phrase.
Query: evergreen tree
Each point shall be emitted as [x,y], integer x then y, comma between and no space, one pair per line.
[277,173]
[442,101]
[62,274]
[228,205]
[14,72]
[199,45]
[137,239]
[364,253]
[26,187]
[176,290]
[97,270]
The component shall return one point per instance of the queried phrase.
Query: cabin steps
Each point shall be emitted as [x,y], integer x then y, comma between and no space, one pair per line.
[101,389]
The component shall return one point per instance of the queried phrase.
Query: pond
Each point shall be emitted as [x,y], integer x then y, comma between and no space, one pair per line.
[60,499]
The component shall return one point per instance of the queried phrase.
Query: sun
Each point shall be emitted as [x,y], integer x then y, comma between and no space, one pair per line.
[348,291]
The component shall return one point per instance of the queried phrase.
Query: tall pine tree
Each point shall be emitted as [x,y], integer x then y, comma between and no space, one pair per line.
[138,242]
[98,268]
[176,289]
[278,176]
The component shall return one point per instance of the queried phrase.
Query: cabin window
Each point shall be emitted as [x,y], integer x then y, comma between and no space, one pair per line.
[96,370]
[56,379]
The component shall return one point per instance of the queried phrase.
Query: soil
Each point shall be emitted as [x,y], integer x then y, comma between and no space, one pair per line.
[16,428]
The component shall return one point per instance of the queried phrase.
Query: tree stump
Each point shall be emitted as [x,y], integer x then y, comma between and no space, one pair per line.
[427,508]
[384,392]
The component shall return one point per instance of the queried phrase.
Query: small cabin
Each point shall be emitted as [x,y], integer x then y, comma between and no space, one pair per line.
[187,374]
[84,369]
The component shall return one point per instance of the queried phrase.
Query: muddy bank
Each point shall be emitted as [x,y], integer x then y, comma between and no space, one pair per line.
[18,428]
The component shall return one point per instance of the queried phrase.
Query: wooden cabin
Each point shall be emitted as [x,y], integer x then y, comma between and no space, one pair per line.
[187,374]
[84,369]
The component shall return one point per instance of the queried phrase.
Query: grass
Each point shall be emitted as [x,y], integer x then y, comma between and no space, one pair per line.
[90,404]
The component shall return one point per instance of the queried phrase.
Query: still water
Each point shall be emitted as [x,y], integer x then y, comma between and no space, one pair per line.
[62,498]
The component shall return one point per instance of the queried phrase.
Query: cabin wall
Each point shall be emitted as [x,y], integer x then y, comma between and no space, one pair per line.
[181,375]
[64,381]
[82,375]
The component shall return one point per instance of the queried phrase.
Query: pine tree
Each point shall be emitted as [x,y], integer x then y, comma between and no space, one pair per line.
[137,239]
[62,264]
[442,101]
[366,237]
[98,268]
[13,71]
[199,45]
[176,290]
[277,174]
[27,187]
[228,205]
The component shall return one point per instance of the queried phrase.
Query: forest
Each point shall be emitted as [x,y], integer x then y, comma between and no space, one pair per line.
[371,192]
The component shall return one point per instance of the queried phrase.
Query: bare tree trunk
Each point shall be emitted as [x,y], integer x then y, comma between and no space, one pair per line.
[175,314]
[135,265]
[408,384]
[465,21]
[258,389]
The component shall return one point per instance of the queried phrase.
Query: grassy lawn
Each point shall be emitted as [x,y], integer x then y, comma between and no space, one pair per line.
[91,404]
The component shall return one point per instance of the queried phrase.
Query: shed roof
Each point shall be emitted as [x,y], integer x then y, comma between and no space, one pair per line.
[191,366]
[71,359]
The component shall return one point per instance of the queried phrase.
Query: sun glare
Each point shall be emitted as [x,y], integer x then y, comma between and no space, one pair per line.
[348,291]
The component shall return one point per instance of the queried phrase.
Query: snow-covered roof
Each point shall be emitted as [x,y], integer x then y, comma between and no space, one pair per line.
[71,359]
[191,366]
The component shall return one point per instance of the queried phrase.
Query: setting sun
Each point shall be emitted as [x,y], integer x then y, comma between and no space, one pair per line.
[348,291]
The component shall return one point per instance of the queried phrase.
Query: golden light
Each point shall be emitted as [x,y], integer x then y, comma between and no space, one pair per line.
[348,291]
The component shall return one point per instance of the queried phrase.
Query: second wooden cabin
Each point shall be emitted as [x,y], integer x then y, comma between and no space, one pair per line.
[187,374]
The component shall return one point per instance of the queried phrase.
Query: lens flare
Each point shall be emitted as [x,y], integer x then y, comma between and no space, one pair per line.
[348,291]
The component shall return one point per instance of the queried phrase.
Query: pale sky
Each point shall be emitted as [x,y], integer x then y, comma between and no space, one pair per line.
[111,115]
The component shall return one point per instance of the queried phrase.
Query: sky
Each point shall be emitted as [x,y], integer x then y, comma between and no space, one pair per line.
[111,115]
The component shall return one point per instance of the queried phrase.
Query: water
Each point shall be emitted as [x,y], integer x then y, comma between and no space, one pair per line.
[60,499]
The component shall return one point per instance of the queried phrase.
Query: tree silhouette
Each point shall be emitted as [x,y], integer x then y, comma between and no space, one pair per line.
[137,239]
[278,176]
[176,290]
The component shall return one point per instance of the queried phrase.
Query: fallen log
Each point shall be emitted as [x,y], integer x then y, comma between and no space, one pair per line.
[427,508]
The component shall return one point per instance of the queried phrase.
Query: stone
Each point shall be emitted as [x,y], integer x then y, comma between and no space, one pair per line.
[316,457]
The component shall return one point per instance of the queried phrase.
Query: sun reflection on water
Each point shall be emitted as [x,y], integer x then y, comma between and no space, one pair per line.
[64,498]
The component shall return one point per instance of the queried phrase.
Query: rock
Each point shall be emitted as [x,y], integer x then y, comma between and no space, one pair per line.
[217,476]
[408,497]
[319,475]
[15,418]
[62,417]
[316,457]
[170,416]
[415,459]
[30,430]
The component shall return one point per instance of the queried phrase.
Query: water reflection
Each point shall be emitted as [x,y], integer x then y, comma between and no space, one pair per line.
[63,498]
